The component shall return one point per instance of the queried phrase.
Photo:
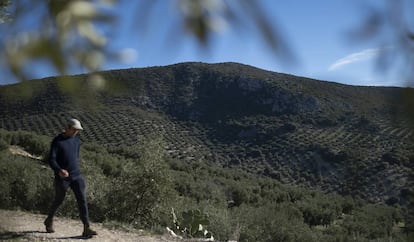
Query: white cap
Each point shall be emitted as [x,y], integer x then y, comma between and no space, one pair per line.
[74,123]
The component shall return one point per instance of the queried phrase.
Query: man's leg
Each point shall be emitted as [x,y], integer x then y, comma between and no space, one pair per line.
[79,189]
[60,193]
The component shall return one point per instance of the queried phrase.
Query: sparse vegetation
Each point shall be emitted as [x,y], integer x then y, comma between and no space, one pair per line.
[228,203]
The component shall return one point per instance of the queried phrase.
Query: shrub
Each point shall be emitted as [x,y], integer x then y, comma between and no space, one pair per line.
[3,145]
[5,136]
[191,224]
[142,187]
[273,223]
[320,210]
[238,194]
[372,221]
[222,225]
[32,143]
[24,183]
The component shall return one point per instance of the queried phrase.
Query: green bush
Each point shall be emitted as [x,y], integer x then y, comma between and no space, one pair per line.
[372,222]
[320,209]
[3,145]
[223,224]
[24,183]
[34,144]
[142,188]
[274,223]
[5,136]
[109,165]
[191,223]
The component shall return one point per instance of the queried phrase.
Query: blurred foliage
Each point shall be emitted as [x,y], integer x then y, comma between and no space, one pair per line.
[75,33]
[4,14]
[390,25]
[67,34]
[61,33]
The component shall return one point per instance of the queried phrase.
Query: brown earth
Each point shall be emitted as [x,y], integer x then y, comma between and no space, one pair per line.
[24,226]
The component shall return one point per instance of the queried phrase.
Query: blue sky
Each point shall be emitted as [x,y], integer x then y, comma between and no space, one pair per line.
[316,31]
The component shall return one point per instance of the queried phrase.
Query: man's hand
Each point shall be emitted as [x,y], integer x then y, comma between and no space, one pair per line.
[63,173]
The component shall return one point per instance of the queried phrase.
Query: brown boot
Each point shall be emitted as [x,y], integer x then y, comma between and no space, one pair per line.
[88,232]
[49,225]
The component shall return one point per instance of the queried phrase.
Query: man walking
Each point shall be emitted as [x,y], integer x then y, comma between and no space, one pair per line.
[64,161]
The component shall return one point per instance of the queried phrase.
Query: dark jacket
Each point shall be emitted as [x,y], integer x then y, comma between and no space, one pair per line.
[64,154]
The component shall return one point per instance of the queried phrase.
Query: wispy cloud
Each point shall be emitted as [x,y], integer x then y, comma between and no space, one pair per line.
[128,55]
[355,57]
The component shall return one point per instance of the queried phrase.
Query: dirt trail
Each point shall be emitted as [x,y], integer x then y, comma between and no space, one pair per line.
[23,226]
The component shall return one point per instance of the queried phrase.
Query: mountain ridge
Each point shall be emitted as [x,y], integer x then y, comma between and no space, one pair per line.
[345,139]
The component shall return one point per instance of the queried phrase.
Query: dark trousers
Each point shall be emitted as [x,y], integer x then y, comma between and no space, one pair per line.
[78,187]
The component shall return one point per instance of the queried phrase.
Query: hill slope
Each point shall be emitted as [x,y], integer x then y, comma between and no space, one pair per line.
[351,140]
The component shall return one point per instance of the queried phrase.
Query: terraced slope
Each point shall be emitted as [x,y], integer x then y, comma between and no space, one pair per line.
[351,140]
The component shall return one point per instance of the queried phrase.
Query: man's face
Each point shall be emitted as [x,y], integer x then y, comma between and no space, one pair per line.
[72,131]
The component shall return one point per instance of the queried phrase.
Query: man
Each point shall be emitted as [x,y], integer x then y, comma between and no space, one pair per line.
[64,161]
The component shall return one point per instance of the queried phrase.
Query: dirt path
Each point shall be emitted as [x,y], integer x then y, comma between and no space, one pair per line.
[23,226]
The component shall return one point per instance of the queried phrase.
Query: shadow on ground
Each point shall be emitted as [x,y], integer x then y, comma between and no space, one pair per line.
[8,235]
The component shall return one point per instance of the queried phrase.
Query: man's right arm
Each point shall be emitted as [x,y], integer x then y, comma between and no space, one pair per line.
[52,157]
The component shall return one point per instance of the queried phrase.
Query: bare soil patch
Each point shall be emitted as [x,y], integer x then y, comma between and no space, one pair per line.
[24,226]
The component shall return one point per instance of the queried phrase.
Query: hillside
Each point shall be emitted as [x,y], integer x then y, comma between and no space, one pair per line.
[345,139]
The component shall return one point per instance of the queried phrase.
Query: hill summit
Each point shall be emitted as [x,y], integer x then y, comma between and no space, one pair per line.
[346,139]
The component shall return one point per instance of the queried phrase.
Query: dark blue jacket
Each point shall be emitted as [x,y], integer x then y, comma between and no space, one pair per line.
[64,154]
